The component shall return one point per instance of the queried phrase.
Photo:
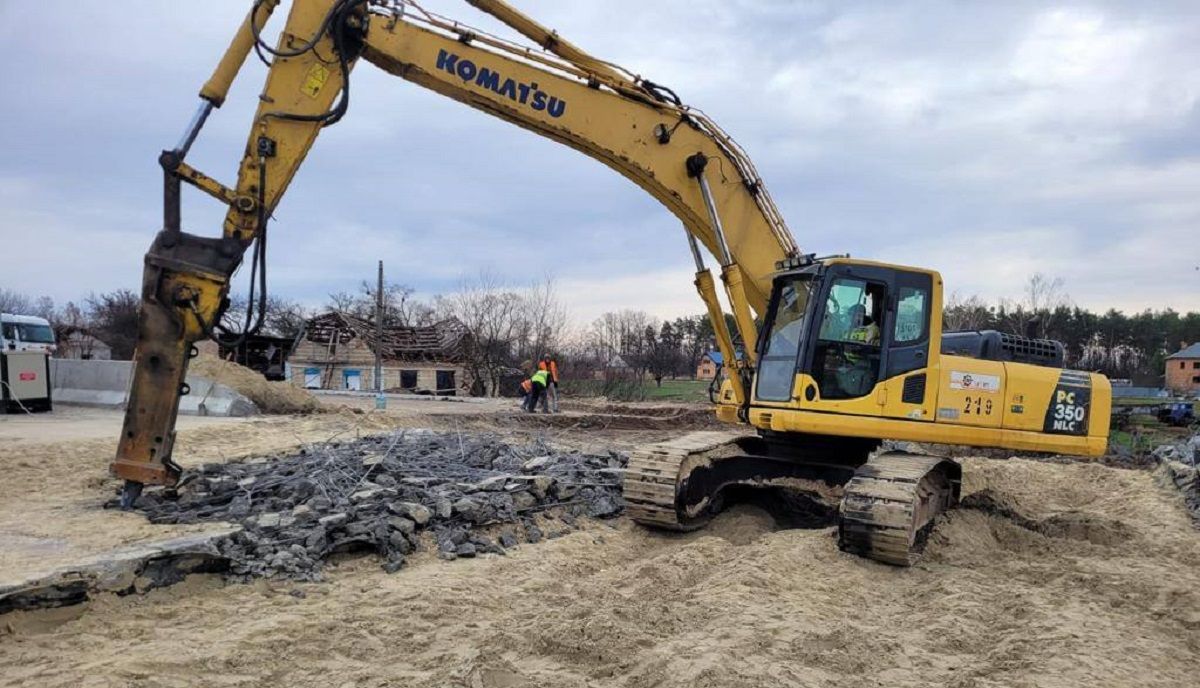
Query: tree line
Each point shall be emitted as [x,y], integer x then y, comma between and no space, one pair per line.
[510,326]
[1119,345]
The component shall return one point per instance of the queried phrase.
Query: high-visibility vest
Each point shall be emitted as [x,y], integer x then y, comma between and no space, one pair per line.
[867,334]
[553,368]
[540,377]
[527,386]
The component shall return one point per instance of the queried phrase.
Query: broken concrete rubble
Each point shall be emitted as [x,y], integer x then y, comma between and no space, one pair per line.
[384,493]
[1179,469]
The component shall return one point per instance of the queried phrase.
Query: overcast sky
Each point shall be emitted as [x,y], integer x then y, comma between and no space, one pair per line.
[987,140]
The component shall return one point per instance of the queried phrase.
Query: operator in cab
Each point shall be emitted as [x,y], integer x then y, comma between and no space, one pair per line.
[863,328]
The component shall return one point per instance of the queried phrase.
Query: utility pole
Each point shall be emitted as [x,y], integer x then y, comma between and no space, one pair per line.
[380,400]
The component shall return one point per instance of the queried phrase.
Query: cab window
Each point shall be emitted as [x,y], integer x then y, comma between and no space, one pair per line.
[777,366]
[36,334]
[910,315]
[847,356]
[853,312]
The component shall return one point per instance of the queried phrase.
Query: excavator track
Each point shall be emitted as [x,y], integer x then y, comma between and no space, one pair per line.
[680,484]
[890,505]
[657,474]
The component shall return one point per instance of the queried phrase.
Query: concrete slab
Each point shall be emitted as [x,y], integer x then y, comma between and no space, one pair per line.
[131,569]
[105,384]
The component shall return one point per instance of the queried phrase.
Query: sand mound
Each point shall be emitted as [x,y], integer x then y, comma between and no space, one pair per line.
[270,397]
[745,603]
[1074,525]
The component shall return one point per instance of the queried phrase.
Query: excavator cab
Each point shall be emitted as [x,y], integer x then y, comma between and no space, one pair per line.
[836,330]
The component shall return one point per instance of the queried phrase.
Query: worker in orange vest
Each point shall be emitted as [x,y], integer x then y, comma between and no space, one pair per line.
[550,398]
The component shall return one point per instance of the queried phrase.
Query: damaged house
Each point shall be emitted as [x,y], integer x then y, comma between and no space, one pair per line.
[337,351]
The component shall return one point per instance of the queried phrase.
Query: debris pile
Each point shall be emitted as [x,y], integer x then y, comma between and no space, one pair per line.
[1179,467]
[269,397]
[389,494]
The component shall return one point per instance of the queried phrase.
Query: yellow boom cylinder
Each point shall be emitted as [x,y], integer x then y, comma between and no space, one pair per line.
[708,293]
[217,86]
[550,40]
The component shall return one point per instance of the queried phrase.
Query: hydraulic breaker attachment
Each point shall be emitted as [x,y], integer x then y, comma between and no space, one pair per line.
[184,286]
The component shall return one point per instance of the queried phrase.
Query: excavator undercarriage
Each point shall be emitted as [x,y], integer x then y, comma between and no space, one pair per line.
[887,502]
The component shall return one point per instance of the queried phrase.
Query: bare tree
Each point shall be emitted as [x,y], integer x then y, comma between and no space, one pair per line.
[622,334]
[545,320]
[114,319]
[509,327]
[400,308]
[342,301]
[282,317]
[72,318]
[970,313]
[577,358]
[12,301]
[1042,303]
[490,315]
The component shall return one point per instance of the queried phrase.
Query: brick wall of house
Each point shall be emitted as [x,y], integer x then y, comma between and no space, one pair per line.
[332,366]
[1183,375]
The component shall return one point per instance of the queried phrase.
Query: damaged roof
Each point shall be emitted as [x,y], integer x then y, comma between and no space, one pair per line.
[443,340]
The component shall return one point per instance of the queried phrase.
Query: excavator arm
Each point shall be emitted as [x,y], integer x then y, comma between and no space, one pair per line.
[638,128]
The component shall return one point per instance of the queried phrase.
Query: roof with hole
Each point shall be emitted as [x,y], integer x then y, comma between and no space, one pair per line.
[443,340]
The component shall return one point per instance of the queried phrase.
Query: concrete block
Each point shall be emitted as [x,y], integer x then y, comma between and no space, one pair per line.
[106,384]
[133,569]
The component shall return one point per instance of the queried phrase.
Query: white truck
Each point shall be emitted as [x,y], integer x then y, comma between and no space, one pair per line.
[26,333]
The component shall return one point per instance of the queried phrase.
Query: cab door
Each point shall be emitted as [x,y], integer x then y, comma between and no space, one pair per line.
[847,357]
[910,384]
[782,341]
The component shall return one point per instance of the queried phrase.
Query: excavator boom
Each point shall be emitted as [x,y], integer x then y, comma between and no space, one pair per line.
[640,129]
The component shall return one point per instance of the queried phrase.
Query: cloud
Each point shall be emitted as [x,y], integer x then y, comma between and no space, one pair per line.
[987,140]
[664,294]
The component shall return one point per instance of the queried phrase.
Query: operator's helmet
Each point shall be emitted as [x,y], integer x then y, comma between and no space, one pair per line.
[858,315]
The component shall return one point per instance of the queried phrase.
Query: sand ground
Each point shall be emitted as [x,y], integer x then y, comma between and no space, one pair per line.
[1098,586]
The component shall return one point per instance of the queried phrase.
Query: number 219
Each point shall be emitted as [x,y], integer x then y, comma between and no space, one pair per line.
[978,405]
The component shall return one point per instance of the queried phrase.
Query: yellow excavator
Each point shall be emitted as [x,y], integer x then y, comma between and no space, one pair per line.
[826,358]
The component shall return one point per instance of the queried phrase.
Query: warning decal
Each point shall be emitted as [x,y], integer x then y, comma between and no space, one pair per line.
[314,80]
[974,382]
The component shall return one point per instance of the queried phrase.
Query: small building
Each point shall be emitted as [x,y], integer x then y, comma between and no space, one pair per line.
[709,363]
[615,368]
[337,351]
[78,344]
[1183,370]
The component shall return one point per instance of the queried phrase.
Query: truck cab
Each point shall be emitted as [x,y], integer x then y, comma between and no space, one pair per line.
[26,333]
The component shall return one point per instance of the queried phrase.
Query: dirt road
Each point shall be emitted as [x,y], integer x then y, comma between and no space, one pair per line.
[1066,575]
